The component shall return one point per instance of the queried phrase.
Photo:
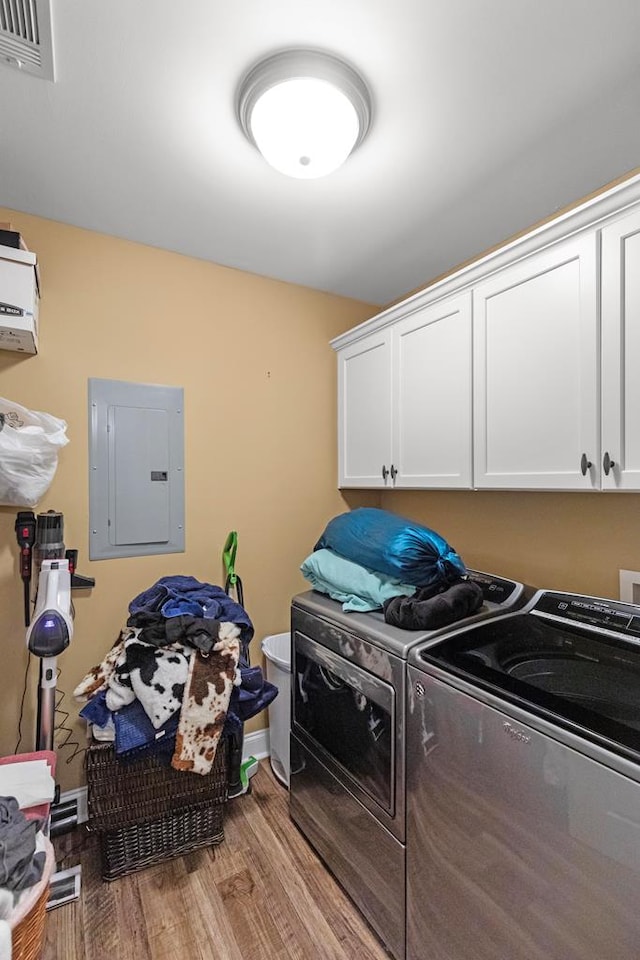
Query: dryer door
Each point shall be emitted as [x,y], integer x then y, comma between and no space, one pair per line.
[347,715]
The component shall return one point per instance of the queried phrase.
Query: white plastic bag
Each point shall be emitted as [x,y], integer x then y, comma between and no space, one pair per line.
[29,444]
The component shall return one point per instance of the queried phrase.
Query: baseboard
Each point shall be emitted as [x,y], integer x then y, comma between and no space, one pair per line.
[80,796]
[255,744]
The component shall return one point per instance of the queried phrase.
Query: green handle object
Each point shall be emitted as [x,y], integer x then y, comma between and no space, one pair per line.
[229,557]
[247,770]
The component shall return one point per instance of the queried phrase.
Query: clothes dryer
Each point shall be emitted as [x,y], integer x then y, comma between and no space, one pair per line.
[347,786]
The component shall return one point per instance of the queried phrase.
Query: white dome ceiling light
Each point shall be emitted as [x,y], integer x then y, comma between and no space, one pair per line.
[305,111]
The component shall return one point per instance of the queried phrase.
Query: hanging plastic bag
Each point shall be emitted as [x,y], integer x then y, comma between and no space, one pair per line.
[29,444]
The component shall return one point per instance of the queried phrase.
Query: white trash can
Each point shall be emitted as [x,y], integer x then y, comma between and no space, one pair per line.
[277,651]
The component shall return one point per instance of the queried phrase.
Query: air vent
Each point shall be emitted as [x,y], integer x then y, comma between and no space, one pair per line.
[26,40]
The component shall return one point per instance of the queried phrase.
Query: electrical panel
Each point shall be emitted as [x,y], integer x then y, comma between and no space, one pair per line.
[136,469]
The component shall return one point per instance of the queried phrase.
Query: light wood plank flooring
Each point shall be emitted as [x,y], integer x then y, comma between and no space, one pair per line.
[262,894]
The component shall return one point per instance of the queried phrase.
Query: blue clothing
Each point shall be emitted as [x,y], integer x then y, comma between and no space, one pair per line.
[96,710]
[135,734]
[134,729]
[253,695]
[180,595]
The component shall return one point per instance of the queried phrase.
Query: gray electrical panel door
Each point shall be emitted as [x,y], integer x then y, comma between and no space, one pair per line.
[136,469]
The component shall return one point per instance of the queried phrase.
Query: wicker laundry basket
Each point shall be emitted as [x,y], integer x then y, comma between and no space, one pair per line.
[28,919]
[145,812]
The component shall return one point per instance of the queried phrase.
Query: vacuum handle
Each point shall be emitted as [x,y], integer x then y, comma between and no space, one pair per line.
[25,527]
[25,562]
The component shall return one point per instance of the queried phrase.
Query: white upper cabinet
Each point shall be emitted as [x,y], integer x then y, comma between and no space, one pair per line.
[404,402]
[517,372]
[621,354]
[431,409]
[536,406]
[364,412]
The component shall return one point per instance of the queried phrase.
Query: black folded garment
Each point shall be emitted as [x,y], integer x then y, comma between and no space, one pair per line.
[161,631]
[427,610]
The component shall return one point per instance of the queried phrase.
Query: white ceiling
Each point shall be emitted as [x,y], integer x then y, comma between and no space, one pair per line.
[488,116]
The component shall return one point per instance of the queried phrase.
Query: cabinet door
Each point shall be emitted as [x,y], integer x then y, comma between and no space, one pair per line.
[432,396]
[536,404]
[621,354]
[364,412]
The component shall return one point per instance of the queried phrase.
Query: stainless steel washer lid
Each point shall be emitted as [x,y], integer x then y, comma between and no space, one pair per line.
[501,596]
[570,659]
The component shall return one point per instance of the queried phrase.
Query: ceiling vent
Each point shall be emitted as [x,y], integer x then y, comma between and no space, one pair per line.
[26,40]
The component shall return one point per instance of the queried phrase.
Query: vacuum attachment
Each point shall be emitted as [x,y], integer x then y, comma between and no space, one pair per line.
[52,626]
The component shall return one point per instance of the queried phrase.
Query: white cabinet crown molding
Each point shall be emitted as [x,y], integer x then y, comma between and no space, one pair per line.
[589,214]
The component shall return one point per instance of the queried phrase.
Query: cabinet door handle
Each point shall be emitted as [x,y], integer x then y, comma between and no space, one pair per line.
[394,472]
[607,463]
[585,464]
[385,473]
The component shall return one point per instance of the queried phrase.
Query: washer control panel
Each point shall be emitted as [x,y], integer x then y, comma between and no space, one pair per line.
[613,615]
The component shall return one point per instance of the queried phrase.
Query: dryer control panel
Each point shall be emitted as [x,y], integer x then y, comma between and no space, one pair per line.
[496,590]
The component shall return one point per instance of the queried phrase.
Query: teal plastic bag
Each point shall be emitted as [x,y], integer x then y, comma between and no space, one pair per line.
[393,545]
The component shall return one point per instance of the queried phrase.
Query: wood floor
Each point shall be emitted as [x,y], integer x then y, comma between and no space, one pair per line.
[262,894]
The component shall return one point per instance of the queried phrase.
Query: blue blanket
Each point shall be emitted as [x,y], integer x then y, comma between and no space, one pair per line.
[354,586]
[180,595]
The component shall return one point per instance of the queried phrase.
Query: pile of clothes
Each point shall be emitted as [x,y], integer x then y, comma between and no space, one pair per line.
[371,559]
[178,677]
[22,860]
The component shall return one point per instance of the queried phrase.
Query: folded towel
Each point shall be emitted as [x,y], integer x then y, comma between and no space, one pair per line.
[30,782]
[356,587]
[429,611]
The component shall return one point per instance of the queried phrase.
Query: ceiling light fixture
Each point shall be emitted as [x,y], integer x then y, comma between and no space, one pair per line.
[305,111]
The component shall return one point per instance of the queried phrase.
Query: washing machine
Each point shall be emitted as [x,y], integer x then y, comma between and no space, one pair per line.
[523,786]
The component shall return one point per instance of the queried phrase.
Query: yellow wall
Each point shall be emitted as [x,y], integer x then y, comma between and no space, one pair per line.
[254,359]
[260,409]
[563,541]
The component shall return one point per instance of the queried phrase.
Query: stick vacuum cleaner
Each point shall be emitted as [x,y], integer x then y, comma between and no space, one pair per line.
[48,635]
[49,632]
